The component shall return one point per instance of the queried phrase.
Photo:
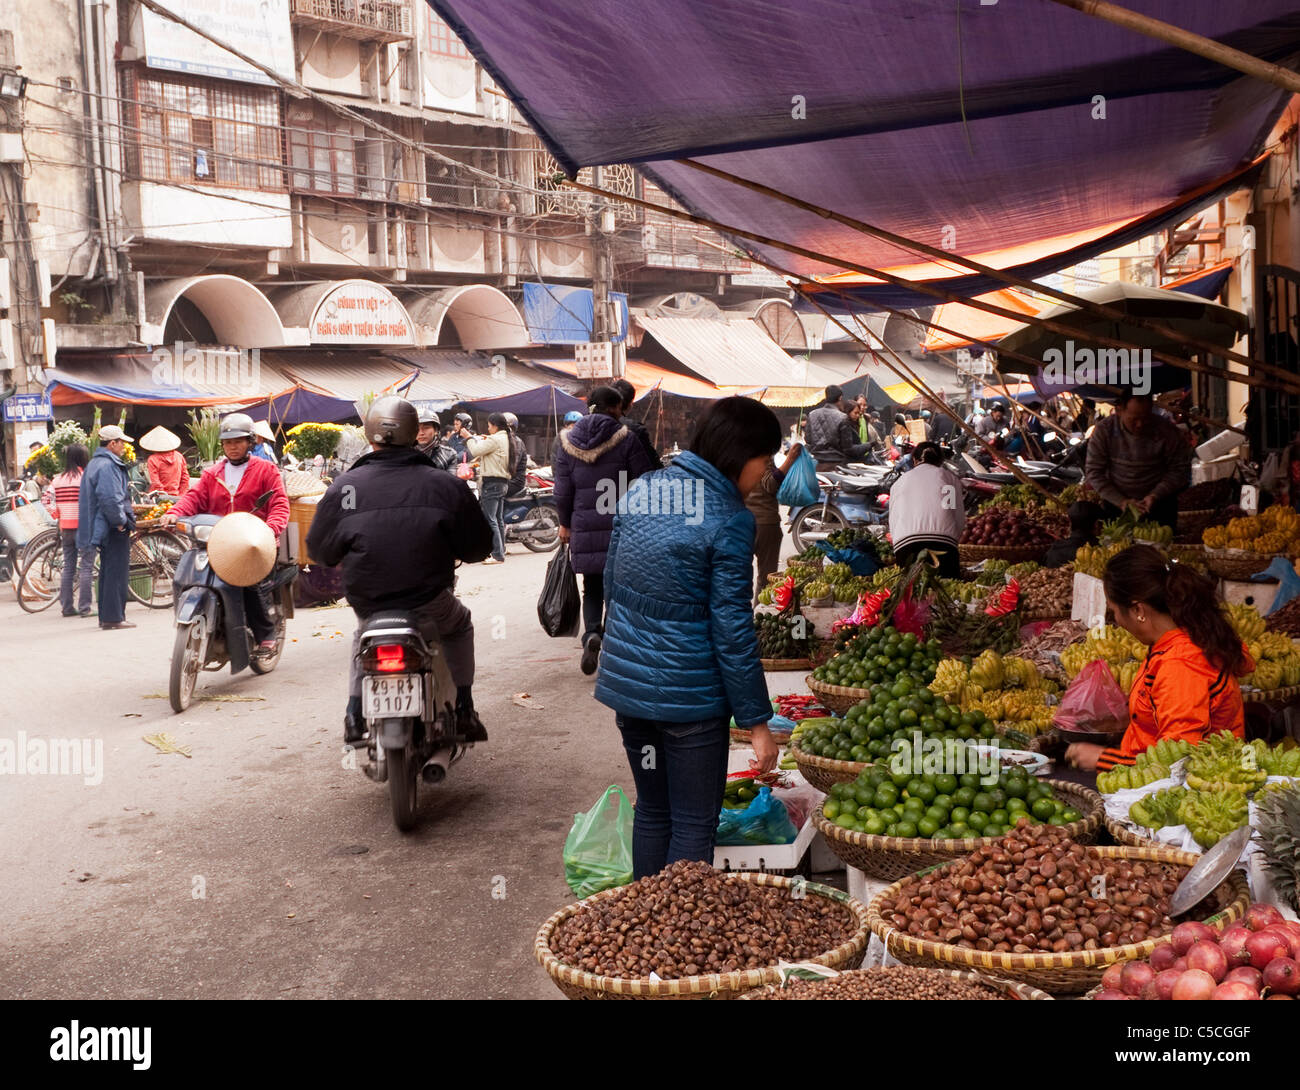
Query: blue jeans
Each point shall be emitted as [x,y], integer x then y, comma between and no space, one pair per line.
[78,573]
[680,771]
[494,504]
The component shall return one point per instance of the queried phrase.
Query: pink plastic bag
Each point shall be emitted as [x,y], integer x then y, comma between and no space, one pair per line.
[1094,702]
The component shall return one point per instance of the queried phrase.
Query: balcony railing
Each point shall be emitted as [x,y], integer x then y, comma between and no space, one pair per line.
[370,20]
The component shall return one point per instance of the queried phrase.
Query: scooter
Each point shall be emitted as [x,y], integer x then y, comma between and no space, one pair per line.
[846,499]
[211,629]
[407,699]
[532,520]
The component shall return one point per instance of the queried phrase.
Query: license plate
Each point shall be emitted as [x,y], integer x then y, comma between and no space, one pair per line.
[394,697]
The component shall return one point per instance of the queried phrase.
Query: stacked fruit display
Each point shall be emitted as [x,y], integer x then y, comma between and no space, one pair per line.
[1149,766]
[1223,762]
[1120,650]
[1007,689]
[892,713]
[1277,662]
[1256,956]
[1091,559]
[1005,526]
[881,653]
[942,806]
[783,637]
[1048,591]
[1273,531]
[1208,815]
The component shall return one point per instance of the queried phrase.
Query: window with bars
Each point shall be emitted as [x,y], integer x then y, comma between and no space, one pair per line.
[329,154]
[440,38]
[201,132]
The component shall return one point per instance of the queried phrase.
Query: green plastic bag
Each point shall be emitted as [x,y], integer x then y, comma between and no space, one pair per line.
[598,849]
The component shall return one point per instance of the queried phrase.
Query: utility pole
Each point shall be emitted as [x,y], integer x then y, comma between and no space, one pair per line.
[604,318]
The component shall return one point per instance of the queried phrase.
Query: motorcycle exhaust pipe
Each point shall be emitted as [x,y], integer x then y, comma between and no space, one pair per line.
[435,770]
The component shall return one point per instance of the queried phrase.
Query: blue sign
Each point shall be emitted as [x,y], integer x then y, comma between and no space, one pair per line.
[22,408]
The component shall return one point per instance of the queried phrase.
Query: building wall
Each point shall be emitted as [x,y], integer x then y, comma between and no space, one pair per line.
[216,217]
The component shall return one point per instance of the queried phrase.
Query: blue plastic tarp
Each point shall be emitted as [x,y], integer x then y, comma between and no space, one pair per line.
[542,401]
[563,314]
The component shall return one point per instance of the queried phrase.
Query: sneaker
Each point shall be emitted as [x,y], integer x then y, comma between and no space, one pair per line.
[590,654]
[493,560]
[119,624]
[85,612]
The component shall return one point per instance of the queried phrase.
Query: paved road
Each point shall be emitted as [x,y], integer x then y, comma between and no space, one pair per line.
[307,890]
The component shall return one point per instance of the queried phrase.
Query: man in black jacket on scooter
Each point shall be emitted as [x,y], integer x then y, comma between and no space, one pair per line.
[398,526]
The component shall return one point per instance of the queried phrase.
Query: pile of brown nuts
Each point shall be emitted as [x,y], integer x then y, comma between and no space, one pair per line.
[1037,891]
[690,919]
[894,982]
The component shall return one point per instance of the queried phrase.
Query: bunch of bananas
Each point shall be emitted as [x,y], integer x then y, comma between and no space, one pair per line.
[1277,662]
[1118,648]
[987,670]
[1274,530]
[1212,815]
[1127,777]
[1246,621]
[1091,559]
[949,679]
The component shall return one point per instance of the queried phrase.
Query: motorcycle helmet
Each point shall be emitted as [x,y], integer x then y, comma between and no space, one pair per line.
[464,418]
[512,421]
[237,426]
[428,416]
[392,422]
[572,417]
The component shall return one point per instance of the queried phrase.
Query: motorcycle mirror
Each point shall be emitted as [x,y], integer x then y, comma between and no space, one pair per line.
[1049,437]
[1075,440]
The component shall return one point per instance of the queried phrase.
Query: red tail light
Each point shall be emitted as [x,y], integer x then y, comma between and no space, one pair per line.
[884,498]
[390,658]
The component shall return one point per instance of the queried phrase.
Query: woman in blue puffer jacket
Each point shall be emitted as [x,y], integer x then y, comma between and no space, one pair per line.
[680,655]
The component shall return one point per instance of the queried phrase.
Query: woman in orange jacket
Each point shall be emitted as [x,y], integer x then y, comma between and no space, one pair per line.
[1188,684]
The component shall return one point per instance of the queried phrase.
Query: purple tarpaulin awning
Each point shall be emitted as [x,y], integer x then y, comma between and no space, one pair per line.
[975,127]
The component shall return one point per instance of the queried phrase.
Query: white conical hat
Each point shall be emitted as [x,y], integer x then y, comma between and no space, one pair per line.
[242,549]
[160,440]
[263,429]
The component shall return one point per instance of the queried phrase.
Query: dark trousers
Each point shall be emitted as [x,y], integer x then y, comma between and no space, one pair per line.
[593,605]
[78,573]
[680,771]
[1164,511]
[949,558]
[114,570]
[444,617]
[767,553]
[257,610]
[494,502]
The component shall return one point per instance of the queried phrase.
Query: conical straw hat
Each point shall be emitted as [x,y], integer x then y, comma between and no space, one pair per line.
[160,440]
[242,549]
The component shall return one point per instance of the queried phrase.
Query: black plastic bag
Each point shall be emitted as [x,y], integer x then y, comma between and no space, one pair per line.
[559,605]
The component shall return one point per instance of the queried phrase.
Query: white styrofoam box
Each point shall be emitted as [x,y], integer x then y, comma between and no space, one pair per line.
[863,888]
[1215,469]
[1219,445]
[1089,599]
[824,861]
[1243,593]
[765,857]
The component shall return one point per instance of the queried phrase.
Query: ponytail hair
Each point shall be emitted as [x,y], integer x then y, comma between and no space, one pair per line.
[1141,574]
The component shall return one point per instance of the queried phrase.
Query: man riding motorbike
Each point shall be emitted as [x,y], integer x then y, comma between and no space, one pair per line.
[428,441]
[236,483]
[398,526]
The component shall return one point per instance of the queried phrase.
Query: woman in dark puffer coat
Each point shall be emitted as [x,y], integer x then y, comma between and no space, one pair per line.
[597,459]
[680,656]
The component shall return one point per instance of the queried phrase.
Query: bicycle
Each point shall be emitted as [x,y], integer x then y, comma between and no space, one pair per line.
[154,553]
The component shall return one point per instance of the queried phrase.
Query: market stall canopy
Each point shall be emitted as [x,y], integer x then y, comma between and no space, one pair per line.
[972,126]
[191,378]
[937,375]
[646,378]
[727,353]
[447,377]
[548,400]
[1189,315]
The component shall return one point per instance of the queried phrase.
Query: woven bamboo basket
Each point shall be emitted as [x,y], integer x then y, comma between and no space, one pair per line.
[973,554]
[839,698]
[1261,696]
[823,772]
[890,858]
[578,984]
[775,665]
[1072,973]
[1236,568]
[745,737]
[1122,834]
[1009,989]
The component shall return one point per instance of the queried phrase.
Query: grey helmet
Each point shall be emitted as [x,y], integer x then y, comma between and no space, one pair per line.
[237,426]
[512,421]
[428,416]
[392,422]
[464,418]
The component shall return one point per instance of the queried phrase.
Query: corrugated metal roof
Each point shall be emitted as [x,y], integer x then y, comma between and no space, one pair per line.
[465,376]
[349,376]
[725,353]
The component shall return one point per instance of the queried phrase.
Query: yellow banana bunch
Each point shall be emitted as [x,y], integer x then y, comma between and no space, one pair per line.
[1126,675]
[986,671]
[1246,621]
[1020,673]
[949,678]
[971,695]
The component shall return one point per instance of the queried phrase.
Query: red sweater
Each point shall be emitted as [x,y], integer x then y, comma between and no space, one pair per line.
[211,497]
[63,497]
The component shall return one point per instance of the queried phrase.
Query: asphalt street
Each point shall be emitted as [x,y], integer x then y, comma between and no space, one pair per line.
[261,866]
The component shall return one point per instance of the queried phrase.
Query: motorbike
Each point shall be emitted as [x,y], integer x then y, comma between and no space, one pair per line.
[532,520]
[407,699]
[856,495]
[211,628]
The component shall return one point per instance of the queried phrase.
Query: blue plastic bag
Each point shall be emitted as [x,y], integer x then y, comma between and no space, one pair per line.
[859,562]
[763,821]
[800,487]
